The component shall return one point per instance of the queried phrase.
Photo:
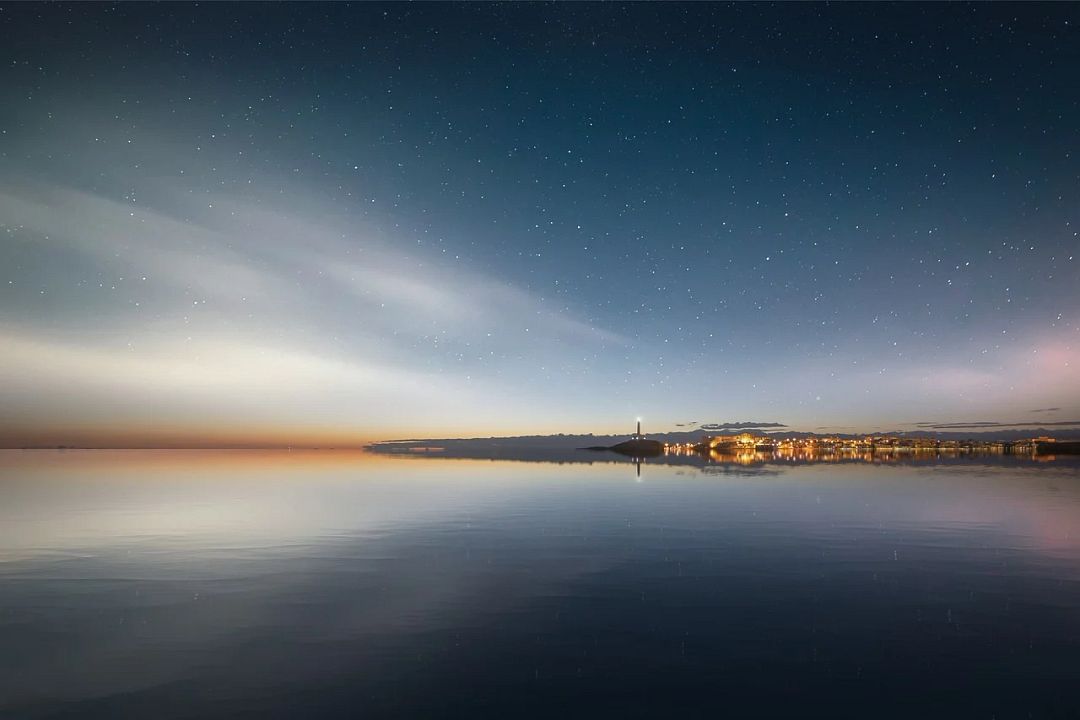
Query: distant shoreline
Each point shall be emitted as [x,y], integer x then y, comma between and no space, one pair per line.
[589,440]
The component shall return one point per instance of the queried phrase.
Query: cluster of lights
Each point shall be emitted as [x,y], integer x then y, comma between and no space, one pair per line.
[870,448]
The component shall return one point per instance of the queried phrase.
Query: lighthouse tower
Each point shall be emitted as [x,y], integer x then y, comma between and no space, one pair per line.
[637,435]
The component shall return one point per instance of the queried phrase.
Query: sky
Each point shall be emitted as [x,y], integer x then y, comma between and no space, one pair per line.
[328,224]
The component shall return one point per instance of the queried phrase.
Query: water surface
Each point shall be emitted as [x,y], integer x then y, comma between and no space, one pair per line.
[252,584]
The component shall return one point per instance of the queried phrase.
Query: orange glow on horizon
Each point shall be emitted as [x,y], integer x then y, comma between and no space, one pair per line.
[258,436]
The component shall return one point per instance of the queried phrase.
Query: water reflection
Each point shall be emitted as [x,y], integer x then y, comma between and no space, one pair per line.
[340,584]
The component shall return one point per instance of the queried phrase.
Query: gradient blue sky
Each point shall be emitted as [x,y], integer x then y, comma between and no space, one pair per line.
[300,223]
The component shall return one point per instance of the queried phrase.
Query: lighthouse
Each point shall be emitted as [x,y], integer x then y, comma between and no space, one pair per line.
[638,447]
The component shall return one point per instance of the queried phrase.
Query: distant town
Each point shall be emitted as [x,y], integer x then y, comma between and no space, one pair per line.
[747,447]
[817,445]
[874,443]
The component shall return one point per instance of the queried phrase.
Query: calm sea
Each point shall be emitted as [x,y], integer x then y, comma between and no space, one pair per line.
[340,585]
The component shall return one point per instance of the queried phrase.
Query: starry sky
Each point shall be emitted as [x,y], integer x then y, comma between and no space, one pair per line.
[273,224]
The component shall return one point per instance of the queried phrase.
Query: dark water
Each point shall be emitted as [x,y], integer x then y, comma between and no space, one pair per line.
[182,585]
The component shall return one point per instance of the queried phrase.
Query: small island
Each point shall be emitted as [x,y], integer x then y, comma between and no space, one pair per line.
[637,446]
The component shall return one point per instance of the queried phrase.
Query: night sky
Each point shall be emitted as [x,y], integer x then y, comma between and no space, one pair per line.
[310,223]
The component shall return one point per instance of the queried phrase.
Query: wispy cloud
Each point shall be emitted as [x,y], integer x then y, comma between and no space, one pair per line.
[991,424]
[255,314]
[743,425]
